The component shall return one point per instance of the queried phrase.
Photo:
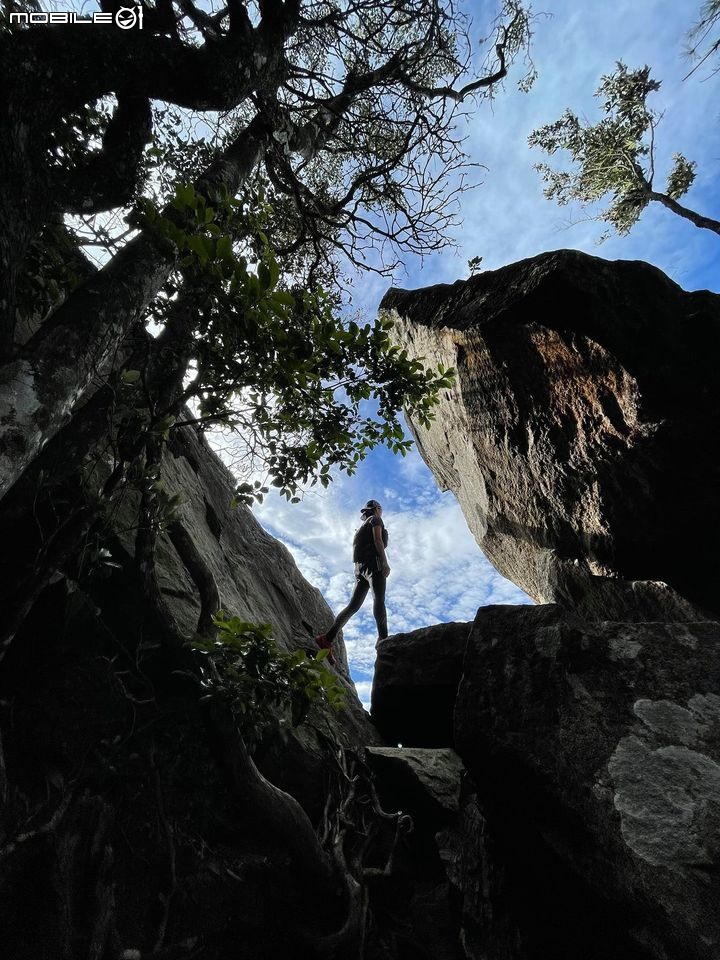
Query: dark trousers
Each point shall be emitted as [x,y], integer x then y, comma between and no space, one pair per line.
[365,577]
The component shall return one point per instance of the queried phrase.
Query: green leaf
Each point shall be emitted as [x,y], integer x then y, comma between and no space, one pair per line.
[224,247]
[186,195]
[284,298]
[198,245]
[264,276]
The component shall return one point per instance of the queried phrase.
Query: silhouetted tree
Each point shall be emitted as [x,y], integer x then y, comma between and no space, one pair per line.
[616,156]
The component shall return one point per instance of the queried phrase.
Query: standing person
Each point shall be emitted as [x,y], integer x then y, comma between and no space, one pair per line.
[371,570]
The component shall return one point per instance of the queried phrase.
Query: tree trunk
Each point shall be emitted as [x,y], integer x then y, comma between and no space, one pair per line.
[40,387]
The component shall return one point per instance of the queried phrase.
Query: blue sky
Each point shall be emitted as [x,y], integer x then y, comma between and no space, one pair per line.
[438,571]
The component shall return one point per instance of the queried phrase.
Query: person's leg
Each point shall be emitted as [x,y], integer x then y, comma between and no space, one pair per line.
[356,601]
[379,611]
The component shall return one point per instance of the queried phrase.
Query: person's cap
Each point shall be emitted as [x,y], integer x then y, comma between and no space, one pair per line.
[370,506]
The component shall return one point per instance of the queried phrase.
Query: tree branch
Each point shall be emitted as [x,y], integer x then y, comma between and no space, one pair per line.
[218,75]
[110,177]
[450,93]
[707,223]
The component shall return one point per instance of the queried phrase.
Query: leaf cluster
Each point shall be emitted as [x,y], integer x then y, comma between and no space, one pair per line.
[614,157]
[243,668]
[160,506]
[304,389]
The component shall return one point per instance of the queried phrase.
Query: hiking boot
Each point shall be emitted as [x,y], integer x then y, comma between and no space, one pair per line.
[325,644]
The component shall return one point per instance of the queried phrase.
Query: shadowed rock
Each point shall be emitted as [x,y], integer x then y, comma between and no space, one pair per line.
[131,810]
[415,684]
[431,775]
[593,830]
[256,576]
[452,917]
[596,748]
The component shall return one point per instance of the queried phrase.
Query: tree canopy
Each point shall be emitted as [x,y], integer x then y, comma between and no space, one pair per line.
[340,120]
[616,157]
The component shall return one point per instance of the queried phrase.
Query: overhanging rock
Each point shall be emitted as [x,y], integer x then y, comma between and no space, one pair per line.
[581,436]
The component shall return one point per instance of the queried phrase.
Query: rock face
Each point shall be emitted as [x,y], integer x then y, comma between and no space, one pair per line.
[131,821]
[595,751]
[257,580]
[256,576]
[581,441]
[415,684]
[581,436]
[602,742]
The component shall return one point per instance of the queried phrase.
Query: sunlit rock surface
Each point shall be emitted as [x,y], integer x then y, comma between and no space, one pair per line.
[581,435]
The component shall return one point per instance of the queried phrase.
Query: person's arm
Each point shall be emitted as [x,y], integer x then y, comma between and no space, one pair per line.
[380,547]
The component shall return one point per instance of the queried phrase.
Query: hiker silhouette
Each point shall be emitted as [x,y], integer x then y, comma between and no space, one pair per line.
[371,570]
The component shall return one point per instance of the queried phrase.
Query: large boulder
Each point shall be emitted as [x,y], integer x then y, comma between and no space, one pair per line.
[415,684]
[581,435]
[425,778]
[593,827]
[596,751]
